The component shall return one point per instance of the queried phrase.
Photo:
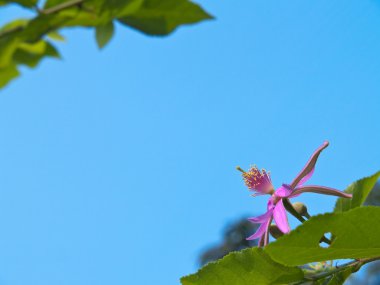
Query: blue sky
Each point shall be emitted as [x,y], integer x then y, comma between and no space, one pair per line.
[117,166]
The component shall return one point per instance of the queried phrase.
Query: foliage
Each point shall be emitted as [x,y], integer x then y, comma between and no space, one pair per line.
[360,190]
[356,237]
[28,41]
[250,266]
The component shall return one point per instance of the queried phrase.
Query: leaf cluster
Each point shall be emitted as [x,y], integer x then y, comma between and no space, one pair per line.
[28,41]
[298,257]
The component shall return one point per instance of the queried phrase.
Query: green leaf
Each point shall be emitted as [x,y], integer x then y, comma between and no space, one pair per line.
[31,54]
[119,8]
[56,36]
[104,34]
[161,17]
[19,23]
[21,39]
[360,190]
[247,267]
[7,74]
[357,235]
[94,12]
[10,38]
[8,46]
[25,3]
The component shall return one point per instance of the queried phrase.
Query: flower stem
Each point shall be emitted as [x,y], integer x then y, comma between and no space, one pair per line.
[289,207]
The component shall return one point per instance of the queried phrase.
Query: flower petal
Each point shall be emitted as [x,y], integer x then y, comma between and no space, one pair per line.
[306,178]
[320,190]
[308,170]
[284,191]
[259,233]
[266,234]
[279,215]
[261,219]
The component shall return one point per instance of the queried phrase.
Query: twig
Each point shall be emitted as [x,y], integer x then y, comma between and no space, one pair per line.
[48,11]
[61,7]
[356,264]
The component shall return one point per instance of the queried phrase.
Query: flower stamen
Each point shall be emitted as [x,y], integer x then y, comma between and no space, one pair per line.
[258,180]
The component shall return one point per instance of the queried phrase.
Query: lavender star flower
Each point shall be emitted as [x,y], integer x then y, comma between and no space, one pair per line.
[259,181]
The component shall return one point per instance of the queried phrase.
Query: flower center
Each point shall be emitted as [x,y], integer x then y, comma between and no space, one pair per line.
[258,180]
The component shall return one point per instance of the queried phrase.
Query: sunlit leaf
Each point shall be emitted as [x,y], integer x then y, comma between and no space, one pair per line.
[56,36]
[30,55]
[247,267]
[357,235]
[7,74]
[360,190]
[8,46]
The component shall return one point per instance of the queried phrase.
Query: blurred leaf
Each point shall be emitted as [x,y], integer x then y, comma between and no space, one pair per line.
[356,231]
[19,23]
[8,46]
[161,17]
[7,74]
[120,8]
[56,36]
[10,38]
[104,34]
[247,267]
[31,54]
[19,38]
[360,190]
[25,3]
[52,3]
[96,12]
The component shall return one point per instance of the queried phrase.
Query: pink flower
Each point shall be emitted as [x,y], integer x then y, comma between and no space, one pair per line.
[260,182]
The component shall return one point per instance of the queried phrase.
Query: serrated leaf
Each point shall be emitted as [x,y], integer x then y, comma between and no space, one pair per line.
[360,190]
[104,34]
[161,17]
[357,236]
[247,267]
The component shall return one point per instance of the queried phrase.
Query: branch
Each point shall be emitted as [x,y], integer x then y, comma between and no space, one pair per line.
[61,7]
[48,11]
[356,265]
